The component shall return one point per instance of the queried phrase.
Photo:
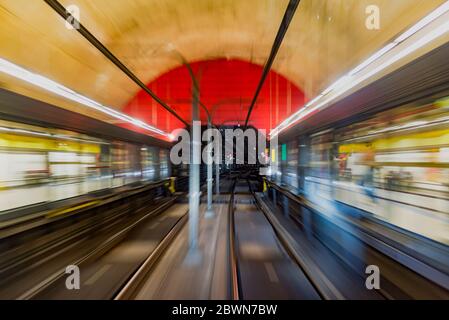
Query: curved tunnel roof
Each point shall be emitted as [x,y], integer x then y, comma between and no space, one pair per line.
[324,40]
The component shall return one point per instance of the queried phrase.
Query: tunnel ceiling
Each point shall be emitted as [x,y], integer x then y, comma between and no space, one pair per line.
[325,38]
[226,89]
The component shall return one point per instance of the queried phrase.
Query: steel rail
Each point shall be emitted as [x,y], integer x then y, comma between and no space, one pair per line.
[110,242]
[130,289]
[322,285]
[234,274]
[319,281]
[422,267]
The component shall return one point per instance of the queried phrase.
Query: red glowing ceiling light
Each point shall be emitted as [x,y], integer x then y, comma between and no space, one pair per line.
[226,89]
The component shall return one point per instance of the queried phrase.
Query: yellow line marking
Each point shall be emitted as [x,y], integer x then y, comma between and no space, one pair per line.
[56,213]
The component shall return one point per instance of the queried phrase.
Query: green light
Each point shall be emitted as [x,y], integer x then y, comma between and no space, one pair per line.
[284,152]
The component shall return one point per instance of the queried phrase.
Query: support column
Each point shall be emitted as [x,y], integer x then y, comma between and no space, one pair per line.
[194,178]
[303,160]
[217,179]
[210,179]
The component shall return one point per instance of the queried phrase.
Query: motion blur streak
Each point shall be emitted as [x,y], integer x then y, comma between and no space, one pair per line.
[396,169]
[49,164]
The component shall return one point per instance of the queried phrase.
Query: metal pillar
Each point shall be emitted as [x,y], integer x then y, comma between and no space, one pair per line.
[303,160]
[217,166]
[194,178]
[217,179]
[210,179]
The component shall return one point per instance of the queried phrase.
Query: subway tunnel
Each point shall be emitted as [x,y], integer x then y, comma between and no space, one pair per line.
[224,150]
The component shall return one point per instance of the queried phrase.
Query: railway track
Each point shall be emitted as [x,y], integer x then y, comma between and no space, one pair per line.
[38,259]
[267,261]
[335,255]
[261,265]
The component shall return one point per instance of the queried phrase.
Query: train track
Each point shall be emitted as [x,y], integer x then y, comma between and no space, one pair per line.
[264,259]
[56,279]
[26,274]
[131,288]
[270,274]
[312,238]
[318,282]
